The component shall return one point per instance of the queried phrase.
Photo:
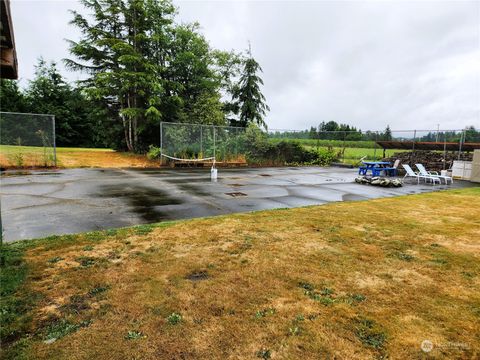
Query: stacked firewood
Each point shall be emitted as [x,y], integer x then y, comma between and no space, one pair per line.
[432,160]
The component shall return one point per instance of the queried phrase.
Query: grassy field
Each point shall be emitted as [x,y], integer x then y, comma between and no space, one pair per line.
[354,150]
[331,143]
[30,156]
[353,280]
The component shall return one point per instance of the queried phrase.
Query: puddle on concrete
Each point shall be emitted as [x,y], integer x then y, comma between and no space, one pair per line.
[352,197]
[143,199]
[236,194]
[192,189]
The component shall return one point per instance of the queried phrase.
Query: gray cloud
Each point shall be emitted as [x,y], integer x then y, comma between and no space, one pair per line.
[407,64]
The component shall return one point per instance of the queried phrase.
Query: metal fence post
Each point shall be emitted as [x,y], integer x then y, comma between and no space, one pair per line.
[444,150]
[462,136]
[201,140]
[161,142]
[54,143]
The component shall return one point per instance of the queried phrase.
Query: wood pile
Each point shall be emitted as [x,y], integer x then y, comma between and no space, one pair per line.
[432,160]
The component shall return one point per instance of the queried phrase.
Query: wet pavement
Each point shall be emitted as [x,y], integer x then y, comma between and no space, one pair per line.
[39,203]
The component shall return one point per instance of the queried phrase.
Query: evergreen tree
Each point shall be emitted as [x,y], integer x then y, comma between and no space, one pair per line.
[11,97]
[49,93]
[387,135]
[123,48]
[248,98]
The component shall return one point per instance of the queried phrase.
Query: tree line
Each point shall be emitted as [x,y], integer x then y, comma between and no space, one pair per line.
[332,130]
[142,67]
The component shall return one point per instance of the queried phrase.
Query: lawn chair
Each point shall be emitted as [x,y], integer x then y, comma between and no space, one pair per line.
[424,172]
[411,173]
[392,171]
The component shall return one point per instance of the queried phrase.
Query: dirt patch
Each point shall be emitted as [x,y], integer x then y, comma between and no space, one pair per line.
[197,276]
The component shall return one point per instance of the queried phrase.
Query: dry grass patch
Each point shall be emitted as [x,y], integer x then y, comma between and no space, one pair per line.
[355,280]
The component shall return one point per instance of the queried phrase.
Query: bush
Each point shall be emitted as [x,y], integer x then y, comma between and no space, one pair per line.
[260,150]
[153,152]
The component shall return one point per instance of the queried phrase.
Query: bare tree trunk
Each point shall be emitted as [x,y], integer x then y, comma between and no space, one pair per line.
[127,130]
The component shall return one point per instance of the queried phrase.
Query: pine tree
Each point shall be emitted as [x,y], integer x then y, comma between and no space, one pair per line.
[248,98]
[123,50]
[387,135]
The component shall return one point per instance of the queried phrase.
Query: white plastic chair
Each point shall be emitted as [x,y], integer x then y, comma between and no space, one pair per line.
[411,173]
[424,172]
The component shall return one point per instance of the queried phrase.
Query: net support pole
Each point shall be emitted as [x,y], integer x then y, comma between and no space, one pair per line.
[444,150]
[161,142]
[54,142]
[214,145]
[201,139]
[375,146]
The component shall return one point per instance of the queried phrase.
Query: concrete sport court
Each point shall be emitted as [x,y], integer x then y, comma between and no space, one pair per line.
[41,203]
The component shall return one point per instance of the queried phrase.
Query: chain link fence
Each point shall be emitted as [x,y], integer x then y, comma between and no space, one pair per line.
[350,147]
[182,142]
[27,140]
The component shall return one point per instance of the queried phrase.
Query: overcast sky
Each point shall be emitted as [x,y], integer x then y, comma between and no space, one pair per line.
[406,64]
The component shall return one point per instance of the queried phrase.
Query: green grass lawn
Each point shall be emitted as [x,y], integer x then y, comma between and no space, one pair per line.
[351,280]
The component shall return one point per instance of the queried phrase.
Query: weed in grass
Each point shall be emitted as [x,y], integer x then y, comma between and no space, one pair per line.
[86,261]
[324,300]
[326,292]
[111,232]
[323,296]
[61,328]
[468,275]
[98,289]
[300,317]
[174,318]
[96,235]
[370,333]
[143,229]
[435,245]
[357,297]
[405,257]
[134,335]
[55,259]
[294,331]
[439,261]
[306,286]
[264,354]
[264,313]
[88,248]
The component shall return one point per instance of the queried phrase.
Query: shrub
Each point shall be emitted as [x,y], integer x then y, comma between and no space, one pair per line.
[260,150]
[153,152]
